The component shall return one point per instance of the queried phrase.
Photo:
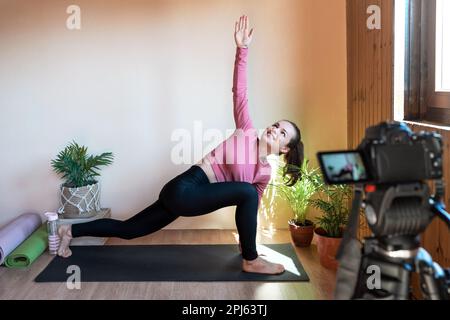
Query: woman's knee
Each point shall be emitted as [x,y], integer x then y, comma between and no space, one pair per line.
[169,196]
[249,192]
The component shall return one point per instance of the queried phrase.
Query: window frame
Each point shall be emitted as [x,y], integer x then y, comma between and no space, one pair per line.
[422,102]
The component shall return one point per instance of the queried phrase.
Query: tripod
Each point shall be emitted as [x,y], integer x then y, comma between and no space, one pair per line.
[382,269]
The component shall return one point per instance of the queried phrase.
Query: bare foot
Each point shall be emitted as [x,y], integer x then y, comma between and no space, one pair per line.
[259,265]
[65,235]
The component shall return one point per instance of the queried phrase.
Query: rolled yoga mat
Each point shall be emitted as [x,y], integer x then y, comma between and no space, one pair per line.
[169,263]
[25,254]
[16,231]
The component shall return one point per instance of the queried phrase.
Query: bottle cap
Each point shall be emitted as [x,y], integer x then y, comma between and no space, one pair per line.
[51,216]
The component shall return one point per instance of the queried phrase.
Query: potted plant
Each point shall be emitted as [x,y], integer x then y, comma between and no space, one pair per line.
[333,201]
[80,193]
[298,196]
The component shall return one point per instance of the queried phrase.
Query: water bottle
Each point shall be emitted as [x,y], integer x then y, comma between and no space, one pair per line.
[52,229]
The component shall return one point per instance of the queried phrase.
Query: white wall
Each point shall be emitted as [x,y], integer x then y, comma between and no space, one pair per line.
[137,70]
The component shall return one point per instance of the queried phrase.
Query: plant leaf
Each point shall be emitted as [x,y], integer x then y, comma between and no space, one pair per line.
[76,167]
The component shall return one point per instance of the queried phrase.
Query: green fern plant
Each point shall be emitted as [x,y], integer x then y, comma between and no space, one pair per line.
[333,201]
[299,195]
[77,168]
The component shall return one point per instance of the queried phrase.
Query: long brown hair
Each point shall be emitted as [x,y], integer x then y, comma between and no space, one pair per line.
[294,157]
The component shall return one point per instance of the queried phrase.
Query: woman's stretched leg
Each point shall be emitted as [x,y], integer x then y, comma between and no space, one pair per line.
[149,220]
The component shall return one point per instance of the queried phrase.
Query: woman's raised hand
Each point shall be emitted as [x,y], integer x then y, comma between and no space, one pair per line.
[242,35]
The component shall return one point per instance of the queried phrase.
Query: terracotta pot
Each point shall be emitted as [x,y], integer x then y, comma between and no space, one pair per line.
[327,248]
[301,235]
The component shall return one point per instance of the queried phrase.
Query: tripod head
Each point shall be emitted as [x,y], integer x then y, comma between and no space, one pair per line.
[389,170]
[402,209]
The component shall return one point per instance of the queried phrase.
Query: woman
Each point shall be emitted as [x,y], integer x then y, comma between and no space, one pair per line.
[216,182]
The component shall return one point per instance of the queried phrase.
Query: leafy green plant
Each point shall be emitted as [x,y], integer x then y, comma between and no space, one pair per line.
[77,168]
[333,201]
[300,194]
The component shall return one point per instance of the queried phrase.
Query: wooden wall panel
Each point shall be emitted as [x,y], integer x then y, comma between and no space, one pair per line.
[370,71]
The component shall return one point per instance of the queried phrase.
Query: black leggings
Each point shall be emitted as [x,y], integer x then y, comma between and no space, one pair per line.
[188,194]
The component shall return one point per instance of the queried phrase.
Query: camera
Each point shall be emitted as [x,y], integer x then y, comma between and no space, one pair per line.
[389,153]
[390,169]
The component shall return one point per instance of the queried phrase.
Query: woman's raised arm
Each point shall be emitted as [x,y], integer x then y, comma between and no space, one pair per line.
[242,37]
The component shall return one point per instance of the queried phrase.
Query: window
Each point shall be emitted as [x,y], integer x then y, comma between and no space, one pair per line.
[442,46]
[423,44]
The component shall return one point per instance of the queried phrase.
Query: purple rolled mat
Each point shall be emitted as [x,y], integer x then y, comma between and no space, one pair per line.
[16,231]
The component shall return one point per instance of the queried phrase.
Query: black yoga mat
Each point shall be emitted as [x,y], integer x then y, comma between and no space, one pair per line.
[169,263]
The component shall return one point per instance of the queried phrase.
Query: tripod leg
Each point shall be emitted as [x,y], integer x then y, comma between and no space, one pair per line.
[433,280]
[381,277]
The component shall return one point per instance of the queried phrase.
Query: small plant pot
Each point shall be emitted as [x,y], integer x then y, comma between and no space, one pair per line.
[82,202]
[327,248]
[301,235]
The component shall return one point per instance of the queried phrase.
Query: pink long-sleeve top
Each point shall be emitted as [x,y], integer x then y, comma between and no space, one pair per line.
[237,158]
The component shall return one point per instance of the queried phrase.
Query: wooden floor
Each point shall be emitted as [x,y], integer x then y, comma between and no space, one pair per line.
[19,284]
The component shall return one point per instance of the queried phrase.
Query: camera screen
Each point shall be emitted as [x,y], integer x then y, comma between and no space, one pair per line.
[341,167]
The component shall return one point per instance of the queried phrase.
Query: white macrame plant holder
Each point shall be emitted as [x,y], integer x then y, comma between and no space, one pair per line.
[82,202]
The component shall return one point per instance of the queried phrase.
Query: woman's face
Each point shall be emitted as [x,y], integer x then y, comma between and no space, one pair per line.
[277,137]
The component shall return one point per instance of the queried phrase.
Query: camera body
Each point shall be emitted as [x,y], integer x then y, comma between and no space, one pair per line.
[390,153]
[395,154]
